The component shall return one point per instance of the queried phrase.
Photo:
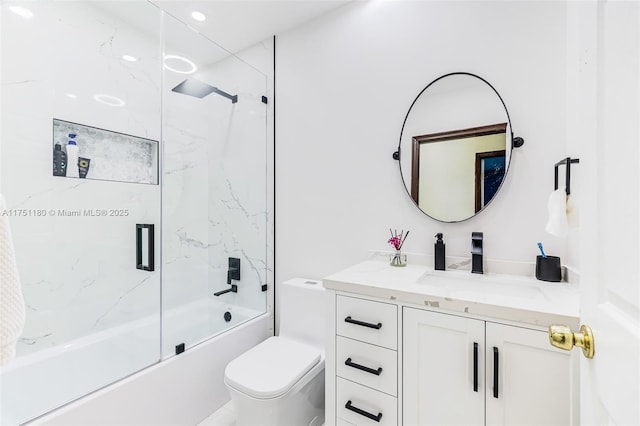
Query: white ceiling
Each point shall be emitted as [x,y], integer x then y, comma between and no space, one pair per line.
[238,24]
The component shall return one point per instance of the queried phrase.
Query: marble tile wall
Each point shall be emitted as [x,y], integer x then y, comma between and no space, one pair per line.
[217,149]
[75,239]
[76,261]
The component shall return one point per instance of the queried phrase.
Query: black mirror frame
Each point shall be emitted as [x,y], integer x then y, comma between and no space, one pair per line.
[516,141]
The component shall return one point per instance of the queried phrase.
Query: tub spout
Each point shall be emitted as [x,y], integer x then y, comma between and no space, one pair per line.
[233,289]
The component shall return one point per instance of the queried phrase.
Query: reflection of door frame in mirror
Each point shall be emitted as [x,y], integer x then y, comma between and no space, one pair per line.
[471,132]
[511,143]
[481,177]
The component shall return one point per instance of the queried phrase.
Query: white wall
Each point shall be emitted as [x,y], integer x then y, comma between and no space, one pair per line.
[448,188]
[344,84]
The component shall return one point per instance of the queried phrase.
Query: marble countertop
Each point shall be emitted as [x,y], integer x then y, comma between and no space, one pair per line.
[516,298]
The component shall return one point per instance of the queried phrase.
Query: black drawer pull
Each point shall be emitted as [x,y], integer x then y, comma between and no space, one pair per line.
[363,368]
[368,415]
[475,367]
[496,364]
[362,323]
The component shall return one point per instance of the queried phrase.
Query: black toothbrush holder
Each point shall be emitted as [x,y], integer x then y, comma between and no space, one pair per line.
[548,268]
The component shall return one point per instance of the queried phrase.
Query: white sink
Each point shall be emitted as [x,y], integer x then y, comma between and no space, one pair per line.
[459,284]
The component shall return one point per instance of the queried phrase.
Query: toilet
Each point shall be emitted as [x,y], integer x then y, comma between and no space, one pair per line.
[280,381]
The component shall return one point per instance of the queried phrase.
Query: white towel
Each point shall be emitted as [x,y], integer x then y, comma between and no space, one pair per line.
[573,212]
[557,206]
[12,314]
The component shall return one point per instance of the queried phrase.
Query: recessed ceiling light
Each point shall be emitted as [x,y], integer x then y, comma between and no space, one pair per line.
[71,95]
[179,64]
[198,16]
[129,58]
[21,11]
[109,100]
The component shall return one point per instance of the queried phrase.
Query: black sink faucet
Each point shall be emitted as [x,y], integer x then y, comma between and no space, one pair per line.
[476,253]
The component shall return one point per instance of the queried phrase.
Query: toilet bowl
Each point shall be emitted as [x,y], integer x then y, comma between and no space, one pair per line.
[280,381]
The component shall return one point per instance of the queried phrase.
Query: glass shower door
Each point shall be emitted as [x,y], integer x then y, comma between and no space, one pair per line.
[214,189]
[89,72]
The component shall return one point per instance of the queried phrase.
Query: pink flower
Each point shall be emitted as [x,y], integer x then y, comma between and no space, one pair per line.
[395,242]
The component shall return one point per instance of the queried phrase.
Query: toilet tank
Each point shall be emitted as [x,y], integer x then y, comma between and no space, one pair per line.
[302,311]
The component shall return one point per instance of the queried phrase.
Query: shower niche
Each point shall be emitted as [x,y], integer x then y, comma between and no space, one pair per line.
[106,154]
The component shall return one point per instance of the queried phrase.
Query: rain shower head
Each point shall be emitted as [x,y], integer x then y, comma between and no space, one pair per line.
[199,89]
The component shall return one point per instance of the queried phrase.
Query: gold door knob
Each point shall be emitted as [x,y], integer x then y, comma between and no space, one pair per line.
[562,337]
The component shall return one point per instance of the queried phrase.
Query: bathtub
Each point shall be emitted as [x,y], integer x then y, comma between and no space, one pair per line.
[181,389]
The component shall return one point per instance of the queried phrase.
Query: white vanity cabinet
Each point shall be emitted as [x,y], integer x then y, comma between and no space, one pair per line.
[468,371]
[447,350]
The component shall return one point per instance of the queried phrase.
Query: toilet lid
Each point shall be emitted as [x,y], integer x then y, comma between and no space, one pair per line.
[271,368]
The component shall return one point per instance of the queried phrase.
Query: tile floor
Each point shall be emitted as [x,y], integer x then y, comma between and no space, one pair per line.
[223,417]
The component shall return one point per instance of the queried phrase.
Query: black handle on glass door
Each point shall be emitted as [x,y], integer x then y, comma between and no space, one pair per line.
[145,232]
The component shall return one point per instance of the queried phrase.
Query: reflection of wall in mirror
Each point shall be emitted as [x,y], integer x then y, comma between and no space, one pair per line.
[447,189]
[451,103]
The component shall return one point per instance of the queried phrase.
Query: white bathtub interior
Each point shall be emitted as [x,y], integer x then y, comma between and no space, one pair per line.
[104,357]
[188,323]
[182,390]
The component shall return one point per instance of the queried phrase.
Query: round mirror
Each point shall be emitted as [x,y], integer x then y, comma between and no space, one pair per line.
[455,147]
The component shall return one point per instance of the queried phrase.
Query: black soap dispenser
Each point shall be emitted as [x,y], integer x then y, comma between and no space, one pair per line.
[439,253]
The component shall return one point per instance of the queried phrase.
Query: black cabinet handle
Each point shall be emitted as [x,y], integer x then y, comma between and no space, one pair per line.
[142,231]
[368,415]
[363,368]
[495,371]
[362,323]
[475,367]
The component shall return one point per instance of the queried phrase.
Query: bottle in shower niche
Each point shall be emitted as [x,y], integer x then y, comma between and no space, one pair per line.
[59,160]
[72,157]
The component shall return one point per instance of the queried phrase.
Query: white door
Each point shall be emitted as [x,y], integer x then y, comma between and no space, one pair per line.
[606,97]
[443,377]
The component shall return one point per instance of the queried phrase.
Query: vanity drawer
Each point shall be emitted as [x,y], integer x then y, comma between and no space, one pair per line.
[368,365]
[364,403]
[368,321]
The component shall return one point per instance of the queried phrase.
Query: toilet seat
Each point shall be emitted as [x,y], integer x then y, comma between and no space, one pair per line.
[271,368]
